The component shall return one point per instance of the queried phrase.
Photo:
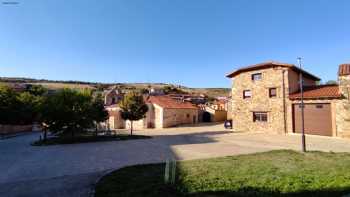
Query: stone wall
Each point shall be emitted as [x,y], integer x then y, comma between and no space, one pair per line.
[174,117]
[242,109]
[216,115]
[13,129]
[115,120]
[343,107]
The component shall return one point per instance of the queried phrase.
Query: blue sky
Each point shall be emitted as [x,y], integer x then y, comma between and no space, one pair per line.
[189,42]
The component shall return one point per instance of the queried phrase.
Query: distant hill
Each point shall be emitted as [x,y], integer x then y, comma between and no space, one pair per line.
[58,84]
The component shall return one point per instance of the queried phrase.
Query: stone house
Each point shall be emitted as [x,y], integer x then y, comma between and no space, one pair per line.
[113,96]
[163,112]
[266,98]
[215,114]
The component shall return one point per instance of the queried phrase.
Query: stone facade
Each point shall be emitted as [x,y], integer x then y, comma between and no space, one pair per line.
[115,120]
[174,117]
[279,109]
[242,109]
[216,115]
[113,96]
[343,107]
[156,117]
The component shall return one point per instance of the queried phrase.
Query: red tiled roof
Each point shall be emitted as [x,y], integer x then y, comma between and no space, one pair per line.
[318,92]
[269,65]
[167,102]
[344,69]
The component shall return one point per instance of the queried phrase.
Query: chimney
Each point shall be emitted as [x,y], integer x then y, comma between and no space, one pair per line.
[344,79]
[344,69]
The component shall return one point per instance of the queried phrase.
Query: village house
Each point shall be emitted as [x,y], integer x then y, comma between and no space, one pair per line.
[266,98]
[163,112]
[113,96]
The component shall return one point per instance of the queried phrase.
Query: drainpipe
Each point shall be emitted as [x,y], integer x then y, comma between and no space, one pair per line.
[284,102]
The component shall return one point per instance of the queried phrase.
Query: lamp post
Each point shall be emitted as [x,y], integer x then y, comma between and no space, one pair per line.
[301,82]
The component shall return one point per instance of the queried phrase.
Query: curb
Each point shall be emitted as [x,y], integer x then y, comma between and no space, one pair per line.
[92,190]
[8,136]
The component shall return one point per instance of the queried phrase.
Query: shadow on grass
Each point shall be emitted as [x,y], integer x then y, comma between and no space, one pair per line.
[86,139]
[257,192]
[148,181]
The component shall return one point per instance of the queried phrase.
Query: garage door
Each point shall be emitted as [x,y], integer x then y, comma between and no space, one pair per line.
[318,119]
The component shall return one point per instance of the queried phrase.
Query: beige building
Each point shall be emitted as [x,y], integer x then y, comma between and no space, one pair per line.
[163,112]
[266,98]
[216,114]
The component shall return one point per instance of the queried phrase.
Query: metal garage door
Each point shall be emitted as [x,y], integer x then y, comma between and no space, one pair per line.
[318,119]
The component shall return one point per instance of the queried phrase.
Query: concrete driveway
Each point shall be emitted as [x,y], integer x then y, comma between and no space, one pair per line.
[71,170]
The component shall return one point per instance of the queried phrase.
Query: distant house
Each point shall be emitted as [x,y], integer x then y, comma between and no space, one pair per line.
[163,112]
[156,91]
[113,96]
[266,98]
[115,120]
[193,98]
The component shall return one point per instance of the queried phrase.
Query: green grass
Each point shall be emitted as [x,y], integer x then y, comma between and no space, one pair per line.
[86,139]
[275,173]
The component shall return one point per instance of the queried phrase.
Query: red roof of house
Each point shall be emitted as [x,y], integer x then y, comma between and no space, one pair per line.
[344,69]
[167,102]
[269,65]
[318,92]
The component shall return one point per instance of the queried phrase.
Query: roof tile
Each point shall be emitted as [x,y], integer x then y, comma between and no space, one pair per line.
[318,92]
[167,102]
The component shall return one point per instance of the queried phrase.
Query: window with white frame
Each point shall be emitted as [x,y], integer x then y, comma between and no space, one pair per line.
[260,116]
[247,94]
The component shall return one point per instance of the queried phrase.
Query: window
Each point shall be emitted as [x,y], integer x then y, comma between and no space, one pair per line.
[272,92]
[256,77]
[319,106]
[260,116]
[247,94]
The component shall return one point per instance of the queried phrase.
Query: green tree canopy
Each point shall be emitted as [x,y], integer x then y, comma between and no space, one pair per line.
[37,90]
[133,108]
[331,82]
[171,89]
[18,108]
[69,111]
[9,105]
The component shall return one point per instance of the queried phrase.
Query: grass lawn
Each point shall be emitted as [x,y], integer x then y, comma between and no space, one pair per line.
[86,139]
[275,173]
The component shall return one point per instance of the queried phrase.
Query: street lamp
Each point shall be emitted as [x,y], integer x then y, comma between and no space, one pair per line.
[301,82]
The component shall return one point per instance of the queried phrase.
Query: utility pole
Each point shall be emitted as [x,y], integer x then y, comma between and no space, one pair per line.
[303,143]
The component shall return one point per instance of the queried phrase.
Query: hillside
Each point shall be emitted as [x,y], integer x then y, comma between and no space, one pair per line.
[55,85]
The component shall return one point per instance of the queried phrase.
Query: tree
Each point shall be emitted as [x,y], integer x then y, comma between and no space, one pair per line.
[331,82]
[28,108]
[71,111]
[37,90]
[97,110]
[171,89]
[133,108]
[9,105]
[18,108]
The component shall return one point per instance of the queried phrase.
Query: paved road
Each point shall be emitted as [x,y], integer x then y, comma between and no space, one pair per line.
[71,170]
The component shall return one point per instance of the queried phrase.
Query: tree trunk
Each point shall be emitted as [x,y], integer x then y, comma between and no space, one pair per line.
[131,126]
